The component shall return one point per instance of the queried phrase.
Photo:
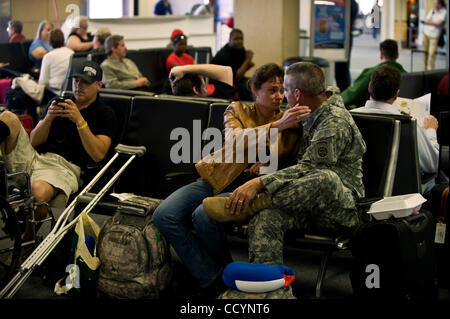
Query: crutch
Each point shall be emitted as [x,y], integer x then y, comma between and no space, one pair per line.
[61,227]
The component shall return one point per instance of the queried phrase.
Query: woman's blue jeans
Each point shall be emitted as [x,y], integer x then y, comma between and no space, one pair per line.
[204,252]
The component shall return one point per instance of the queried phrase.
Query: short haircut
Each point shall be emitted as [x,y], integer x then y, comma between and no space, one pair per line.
[234,31]
[185,86]
[266,73]
[102,34]
[56,38]
[442,3]
[307,77]
[389,48]
[16,25]
[384,83]
[112,42]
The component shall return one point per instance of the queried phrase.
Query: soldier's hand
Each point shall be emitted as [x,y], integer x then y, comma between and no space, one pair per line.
[241,197]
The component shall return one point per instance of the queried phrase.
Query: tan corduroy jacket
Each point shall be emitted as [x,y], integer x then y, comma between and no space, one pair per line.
[241,115]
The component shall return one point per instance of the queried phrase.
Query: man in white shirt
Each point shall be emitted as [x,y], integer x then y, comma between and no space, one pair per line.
[432,29]
[384,89]
[55,63]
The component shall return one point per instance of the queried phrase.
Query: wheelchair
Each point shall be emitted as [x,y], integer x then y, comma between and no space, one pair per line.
[16,209]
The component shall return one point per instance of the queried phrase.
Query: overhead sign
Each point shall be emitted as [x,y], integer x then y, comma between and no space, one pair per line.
[330,29]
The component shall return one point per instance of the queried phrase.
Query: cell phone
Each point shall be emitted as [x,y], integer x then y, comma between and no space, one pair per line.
[58,100]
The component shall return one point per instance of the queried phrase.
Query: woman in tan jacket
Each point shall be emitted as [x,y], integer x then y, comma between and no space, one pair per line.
[205,252]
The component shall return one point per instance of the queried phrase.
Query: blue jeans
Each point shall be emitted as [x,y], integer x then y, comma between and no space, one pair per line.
[204,252]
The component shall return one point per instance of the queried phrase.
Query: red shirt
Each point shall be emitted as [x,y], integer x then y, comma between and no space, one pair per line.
[174,59]
[17,37]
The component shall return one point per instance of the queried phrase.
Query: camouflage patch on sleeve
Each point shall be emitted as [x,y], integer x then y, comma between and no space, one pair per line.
[322,150]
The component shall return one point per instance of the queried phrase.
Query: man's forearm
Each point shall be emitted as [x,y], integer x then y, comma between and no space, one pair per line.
[96,146]
[39,134]
[213,71]
[241,71]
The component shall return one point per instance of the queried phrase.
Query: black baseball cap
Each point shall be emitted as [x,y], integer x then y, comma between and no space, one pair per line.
[89,71]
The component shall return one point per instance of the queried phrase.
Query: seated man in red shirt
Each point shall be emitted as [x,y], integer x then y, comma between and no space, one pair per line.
[179,55]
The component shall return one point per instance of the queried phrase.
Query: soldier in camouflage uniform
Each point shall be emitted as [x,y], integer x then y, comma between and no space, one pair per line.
[319,193]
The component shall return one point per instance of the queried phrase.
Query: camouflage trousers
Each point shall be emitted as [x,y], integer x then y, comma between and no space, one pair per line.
[316,202]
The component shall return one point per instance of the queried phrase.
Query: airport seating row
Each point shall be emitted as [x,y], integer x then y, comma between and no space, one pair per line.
[151,62]
[159,122]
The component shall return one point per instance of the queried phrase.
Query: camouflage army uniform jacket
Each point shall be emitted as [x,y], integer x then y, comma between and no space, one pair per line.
[331,140]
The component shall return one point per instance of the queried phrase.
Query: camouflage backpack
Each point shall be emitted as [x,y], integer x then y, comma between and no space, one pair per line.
[135,257]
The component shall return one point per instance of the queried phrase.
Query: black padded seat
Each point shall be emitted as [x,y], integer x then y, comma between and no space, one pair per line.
[16,54]
[412,85]
[152,64]
[97,57]
[380,160]
[151,123]
[416,84]
[216,111]
[201,55]
[121,104]
[196,98]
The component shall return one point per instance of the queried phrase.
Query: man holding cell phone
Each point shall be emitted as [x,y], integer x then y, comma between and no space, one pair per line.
[71,134]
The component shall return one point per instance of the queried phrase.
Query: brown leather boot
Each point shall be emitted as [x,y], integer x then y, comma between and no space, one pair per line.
[215,208]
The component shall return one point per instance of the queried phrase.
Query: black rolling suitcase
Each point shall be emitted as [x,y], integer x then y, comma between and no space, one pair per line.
[395,259]
[438,204]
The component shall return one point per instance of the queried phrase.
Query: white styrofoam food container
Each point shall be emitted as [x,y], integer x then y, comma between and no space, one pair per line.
[397,206]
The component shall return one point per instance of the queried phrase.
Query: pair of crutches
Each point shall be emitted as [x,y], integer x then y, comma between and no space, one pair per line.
[62,226]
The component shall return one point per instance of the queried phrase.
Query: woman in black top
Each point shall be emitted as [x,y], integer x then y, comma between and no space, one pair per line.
[79,39]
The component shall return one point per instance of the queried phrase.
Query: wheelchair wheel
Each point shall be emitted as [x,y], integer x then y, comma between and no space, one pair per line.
[10,242]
